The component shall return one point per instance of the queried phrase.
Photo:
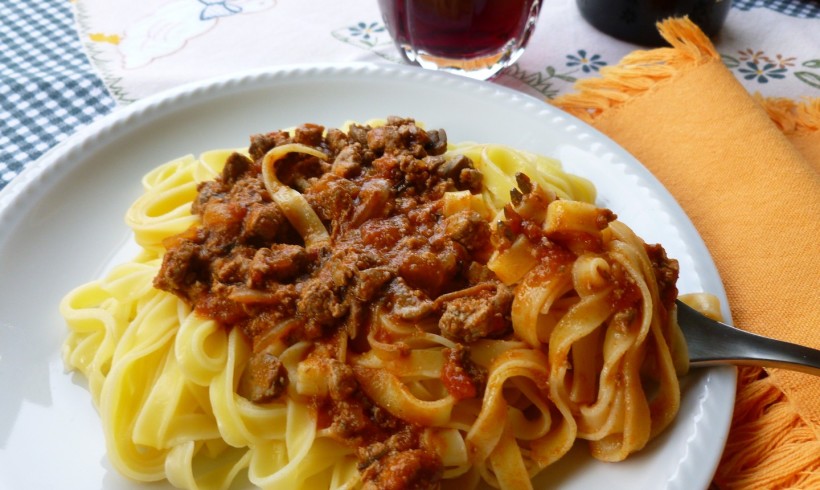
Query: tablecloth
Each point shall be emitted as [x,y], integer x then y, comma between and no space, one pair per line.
[48,88]
[57,75]
[162,43]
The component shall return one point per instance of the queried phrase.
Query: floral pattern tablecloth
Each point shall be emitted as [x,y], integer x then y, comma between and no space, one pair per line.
[57,75]
[773,47]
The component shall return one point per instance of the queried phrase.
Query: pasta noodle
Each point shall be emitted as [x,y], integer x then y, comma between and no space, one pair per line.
[562,329]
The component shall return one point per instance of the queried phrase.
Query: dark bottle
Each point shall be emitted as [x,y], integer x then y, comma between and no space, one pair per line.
[634,20]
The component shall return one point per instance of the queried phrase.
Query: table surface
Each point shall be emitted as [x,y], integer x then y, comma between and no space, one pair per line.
[64,64]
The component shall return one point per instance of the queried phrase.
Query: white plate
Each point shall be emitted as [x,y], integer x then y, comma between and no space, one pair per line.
[62,225]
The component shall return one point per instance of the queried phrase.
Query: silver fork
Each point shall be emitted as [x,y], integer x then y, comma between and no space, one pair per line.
[711,342]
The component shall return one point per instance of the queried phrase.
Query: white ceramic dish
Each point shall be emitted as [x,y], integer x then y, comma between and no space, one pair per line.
[62,225]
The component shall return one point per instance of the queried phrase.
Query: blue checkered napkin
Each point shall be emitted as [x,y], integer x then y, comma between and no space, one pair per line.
[48,89]
[804,9]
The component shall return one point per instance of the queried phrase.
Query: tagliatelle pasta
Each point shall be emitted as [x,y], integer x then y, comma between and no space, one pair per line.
[373,308]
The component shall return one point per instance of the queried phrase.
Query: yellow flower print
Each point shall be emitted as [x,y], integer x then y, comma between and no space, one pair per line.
[99,37]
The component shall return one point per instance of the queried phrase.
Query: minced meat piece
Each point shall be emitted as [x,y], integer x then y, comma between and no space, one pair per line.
[473,317]
[264,378]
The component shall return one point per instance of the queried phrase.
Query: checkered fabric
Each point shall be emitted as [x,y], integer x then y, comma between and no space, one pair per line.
[804,9]
[48,89]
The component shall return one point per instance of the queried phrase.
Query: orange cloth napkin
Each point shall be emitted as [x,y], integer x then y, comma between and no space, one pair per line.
[747,172]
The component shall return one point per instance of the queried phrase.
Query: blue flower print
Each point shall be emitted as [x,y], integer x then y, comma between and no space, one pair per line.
[762,72]
[365,30]
[217,8]
[587,63]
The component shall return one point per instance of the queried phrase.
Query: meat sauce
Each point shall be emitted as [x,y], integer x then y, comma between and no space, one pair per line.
[379,195]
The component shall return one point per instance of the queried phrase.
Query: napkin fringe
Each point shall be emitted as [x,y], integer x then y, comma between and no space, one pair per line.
[640,71]
[790,116]
[769,446]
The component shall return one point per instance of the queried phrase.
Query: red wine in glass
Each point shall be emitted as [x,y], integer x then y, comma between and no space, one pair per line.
[473,37]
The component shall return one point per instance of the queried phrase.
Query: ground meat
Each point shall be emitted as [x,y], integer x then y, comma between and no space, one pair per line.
[233,268]
[409,303]
[378,194]
[349,419]
[470,179]
[384,140]
[206,191]
[332,198]
[341,382]
[469,229]
[248,192]
[352,418]
[184,270]
[279,263]
[358,134]
[390,248]
[235,166]
[264,378]
[308,134]
[415,469]
[337,140]
[477,316]
[262,143]
[321,306]
[370,282]
[263,223]
[348,162]
[479,273]
[399,463]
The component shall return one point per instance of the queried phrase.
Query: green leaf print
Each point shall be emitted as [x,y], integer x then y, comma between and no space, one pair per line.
[809,78]
[729,61]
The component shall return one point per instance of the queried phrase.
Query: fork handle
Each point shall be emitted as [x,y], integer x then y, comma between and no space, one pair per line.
[762,351]
[731,345]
